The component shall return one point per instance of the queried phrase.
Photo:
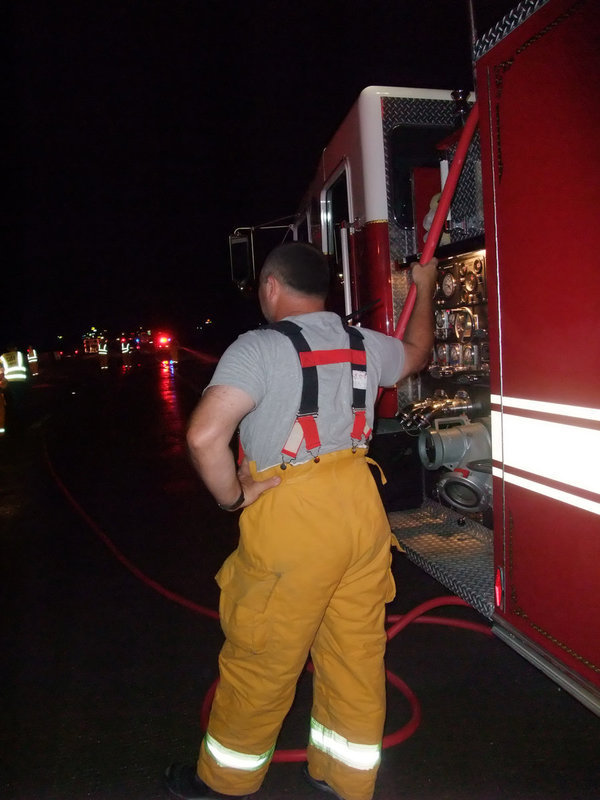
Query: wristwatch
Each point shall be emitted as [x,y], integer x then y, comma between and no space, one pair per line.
[233,506]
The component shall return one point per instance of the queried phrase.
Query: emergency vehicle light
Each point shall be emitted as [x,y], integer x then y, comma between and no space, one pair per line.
[499,587]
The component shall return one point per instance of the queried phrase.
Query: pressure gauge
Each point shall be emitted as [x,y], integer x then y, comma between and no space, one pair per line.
[470,282]
[467,355]
[442,353]
[448,284]
[463,325]
[478,265]
[455,354]
[440,319]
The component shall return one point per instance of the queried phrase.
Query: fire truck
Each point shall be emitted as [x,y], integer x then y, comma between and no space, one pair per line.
[491,452]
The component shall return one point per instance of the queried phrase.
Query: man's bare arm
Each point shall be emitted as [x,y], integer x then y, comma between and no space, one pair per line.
[210,431]
[418,337]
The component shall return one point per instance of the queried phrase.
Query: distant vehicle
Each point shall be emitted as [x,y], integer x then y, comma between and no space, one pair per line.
[143,341]
[90,344]
[147,341]
[163,341]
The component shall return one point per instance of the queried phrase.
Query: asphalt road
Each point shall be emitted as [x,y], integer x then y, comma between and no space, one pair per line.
[110,545]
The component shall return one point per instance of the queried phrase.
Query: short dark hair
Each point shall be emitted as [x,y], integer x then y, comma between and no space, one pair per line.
[300,266]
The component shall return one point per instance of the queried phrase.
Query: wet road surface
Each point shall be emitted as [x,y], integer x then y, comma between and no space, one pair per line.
[110,545]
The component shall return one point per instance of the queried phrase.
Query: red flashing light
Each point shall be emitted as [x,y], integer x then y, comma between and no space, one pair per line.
[499,587]
[163,340]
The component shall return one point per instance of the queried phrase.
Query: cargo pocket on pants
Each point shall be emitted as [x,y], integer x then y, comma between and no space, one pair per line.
[245,595]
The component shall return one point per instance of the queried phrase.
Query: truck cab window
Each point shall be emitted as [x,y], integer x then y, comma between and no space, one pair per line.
[336,210]
[412,146]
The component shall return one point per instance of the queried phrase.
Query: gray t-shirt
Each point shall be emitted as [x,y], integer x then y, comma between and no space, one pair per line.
[265,365]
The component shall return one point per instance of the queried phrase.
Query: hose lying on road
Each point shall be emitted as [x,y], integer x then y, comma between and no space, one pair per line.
[398,623]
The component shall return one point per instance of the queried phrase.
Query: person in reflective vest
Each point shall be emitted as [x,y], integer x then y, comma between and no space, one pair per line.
[312,571]
[126,351]
[103,353]
[2,402]
[32,360]
[14,365]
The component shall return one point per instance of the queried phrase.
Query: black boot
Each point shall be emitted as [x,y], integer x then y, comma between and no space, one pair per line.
[183,782]
[322,786]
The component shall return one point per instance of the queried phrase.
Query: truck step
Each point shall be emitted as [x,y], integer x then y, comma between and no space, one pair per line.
[456,551]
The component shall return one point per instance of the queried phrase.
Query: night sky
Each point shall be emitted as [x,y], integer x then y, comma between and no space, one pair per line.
[141,133]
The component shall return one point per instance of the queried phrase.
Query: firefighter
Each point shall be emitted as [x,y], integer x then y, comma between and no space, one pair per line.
[32,360]
[14,364]
[311,573]
[2,402]
[126,351]
[103,352]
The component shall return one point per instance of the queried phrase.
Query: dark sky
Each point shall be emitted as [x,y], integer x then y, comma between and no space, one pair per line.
[142,133]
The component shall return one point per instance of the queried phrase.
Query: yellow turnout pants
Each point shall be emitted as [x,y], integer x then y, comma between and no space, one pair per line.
[311,574]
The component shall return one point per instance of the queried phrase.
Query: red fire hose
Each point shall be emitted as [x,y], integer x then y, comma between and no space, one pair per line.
[440,213]
[397,624]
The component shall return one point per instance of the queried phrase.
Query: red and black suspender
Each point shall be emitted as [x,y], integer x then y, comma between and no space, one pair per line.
[305,424]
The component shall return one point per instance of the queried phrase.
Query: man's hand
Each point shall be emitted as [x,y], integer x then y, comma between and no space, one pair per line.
[425,275]
[253,489]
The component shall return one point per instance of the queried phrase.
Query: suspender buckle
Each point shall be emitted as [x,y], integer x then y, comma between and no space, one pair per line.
[316,458]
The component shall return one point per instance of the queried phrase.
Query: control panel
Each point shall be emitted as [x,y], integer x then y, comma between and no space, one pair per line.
[461,348]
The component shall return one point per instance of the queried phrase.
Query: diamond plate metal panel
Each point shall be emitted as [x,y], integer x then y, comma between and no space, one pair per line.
[408,111]
[506,25]
[456,551]
[416,111]
[406,389]
[467,203]
[401,281]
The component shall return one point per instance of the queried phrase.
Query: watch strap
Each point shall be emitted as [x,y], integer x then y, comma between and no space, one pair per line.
[235,505]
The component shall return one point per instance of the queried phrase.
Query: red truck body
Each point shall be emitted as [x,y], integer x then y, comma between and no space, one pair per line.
[492,453]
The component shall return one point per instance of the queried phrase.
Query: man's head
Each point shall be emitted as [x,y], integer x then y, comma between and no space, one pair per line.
[300,266]
[294,280]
